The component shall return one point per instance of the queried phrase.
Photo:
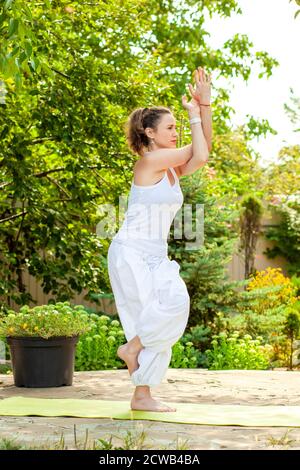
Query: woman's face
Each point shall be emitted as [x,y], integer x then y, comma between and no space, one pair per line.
[166,133]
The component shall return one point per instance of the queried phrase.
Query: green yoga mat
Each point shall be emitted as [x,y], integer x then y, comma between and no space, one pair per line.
[187,413]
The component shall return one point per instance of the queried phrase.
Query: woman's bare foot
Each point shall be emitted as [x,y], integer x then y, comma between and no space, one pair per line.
[128,356]
[149,404]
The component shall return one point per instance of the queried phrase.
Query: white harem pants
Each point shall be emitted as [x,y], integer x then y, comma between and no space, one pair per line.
[152,302]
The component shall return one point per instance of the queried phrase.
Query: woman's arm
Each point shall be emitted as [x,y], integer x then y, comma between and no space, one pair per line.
[200,151]
[202,94]
[189,167]
[201,132]
[206,118]
[189,158]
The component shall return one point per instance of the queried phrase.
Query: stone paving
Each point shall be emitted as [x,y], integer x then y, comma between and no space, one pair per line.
[244,387]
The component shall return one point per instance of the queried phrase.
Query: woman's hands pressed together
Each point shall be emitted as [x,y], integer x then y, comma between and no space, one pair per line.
[201,95]
[192,107]
[199,107]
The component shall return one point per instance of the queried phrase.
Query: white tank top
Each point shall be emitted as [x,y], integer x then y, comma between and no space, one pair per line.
[149,216]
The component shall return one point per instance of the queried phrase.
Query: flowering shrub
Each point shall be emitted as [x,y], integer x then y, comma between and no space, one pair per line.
[286,293]
[262,311]
[45,321]
[231,352]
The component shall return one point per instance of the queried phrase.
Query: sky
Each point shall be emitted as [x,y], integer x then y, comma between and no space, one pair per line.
[271,27]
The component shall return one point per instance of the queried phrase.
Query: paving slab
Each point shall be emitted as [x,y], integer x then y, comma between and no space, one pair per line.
[241,387]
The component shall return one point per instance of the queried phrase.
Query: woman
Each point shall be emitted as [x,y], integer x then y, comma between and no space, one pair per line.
[151,297]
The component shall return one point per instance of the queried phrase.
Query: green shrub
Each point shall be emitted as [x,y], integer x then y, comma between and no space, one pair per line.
[231,352]
[200,337]
[291,329]
[97,349]
[184,355]
[262,311]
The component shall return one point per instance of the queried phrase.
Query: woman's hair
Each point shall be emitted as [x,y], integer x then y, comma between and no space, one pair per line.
[137,122]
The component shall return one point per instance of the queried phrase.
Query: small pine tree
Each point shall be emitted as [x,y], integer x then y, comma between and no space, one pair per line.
[205,269]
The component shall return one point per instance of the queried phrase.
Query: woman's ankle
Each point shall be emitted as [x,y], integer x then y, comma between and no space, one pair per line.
[142,391]
[135,345]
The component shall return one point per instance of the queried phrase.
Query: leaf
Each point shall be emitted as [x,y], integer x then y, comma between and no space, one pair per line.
[33,64]
[2,18]
[18,81]
[22,30]
[28,48]
[13,26]
[7,4]
[28,12]
[13,52]
[11,68]
[47,69]
[26,68]
[22,57]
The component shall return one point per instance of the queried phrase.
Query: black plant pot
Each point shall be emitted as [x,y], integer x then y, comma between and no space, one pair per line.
[40,362]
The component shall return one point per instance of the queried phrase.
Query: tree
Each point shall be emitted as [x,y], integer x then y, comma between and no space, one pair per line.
[292,326]
[62,147]
[250,224]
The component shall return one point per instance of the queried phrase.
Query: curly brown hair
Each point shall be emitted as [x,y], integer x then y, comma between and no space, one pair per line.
[137,122]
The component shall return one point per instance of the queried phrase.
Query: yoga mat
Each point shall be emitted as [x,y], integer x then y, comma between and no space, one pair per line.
[187,413]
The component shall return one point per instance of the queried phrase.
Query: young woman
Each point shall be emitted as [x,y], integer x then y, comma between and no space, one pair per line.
[151,297]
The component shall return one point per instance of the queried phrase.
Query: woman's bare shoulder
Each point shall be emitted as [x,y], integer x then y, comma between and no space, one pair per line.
[144,174]
[144,160]
[162,158]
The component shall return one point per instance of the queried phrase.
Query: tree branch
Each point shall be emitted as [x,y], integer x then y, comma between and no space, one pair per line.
[60,73]
[13,216]
[46,172]
[40,140]
[20,228]
[58,185]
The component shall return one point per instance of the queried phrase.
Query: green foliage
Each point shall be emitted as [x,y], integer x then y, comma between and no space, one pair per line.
[45,321]
[237,168]
[250,223]
[18,55]
[282,176]
[291,329]
[29,32]
[10,444]
[204,261]
[97,349]
[83,68]
[232,352]
[261,311]
[286,235]
[184,355]
[200,338]
[292,323]
[269,324]
[295,280]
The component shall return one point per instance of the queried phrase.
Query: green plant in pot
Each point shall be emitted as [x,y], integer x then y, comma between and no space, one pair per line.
[42,342]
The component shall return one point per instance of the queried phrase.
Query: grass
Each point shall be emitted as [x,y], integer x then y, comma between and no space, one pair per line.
[282,441]
[136,440]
